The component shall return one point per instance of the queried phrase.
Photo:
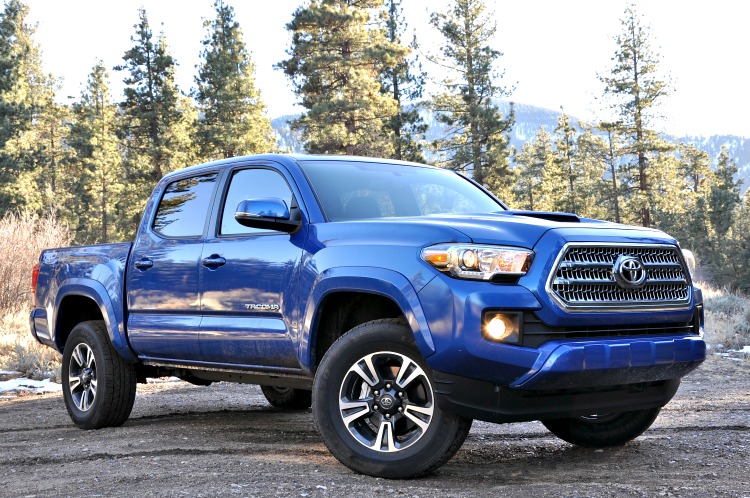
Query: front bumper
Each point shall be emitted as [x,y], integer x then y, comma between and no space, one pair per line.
[571,378]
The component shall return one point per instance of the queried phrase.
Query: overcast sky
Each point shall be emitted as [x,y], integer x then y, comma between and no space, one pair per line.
[553,49]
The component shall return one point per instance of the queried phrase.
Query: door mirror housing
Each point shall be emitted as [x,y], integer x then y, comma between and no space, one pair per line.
[268,213]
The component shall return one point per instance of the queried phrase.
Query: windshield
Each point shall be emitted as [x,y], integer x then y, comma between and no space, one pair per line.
[355,190]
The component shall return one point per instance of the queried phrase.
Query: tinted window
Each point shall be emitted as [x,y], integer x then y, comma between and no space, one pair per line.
[359,190]
[184,206]
[251,184]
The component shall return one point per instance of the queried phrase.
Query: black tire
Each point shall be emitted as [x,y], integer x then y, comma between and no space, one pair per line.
[98,385]
[287,398]
[393,428]
[603,430]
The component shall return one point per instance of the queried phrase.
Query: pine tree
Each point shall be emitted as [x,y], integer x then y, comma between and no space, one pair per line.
[611,152]
[592,188]
[154,120]
[30,132]
[234,118]
[535,157]
[337,54]
[97,166]
[157,122]
[636,88]
[724,194]
[566,198]
[407,128]
[477,139]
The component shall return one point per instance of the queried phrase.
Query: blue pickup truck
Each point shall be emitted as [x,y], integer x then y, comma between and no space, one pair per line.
[399,300]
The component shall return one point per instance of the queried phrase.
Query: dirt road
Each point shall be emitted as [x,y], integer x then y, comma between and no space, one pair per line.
[225,440]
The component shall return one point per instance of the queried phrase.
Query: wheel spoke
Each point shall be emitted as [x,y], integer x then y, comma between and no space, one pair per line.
[74,383]
[371,376]
[420,415]
[347,410]
[85,400]
[90,363]
[410,370]
[385,436]
[78,356]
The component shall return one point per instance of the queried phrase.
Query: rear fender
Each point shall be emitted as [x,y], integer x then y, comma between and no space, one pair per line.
[110,305]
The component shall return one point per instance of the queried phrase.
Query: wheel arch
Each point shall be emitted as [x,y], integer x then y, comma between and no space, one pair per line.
[80,300]
[343,298]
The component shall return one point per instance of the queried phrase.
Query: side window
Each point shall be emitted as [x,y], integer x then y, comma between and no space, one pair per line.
[251,184]
[184,206]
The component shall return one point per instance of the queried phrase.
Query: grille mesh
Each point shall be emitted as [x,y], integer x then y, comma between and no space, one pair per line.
[584,278]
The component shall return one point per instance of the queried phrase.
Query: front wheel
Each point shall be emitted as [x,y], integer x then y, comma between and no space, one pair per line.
[98,385]
[611,429]
[374,405]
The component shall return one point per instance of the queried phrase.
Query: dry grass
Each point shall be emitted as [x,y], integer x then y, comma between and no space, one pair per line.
[22,238]
[727,318]
[20,352]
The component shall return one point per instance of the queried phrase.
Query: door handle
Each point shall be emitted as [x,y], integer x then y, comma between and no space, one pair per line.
[214,261]
[143,264]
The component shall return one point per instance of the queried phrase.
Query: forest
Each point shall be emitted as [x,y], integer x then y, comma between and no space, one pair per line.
[91,164]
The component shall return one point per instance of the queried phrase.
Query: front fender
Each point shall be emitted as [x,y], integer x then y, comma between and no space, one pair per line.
[110,306]
[380,281]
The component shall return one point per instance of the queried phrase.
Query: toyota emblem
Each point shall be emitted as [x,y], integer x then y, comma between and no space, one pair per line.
[629,272]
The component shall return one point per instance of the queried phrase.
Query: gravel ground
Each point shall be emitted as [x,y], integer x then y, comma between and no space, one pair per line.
[225,440]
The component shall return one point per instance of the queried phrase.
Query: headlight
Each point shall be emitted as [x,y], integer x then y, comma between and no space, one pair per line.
[478,262]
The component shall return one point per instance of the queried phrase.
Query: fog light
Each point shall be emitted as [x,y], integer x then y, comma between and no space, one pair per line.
[502,327]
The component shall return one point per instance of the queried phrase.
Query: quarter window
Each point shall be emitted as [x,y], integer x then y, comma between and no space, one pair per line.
[183,208]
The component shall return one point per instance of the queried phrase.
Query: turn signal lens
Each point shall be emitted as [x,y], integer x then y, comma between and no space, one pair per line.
[478,262]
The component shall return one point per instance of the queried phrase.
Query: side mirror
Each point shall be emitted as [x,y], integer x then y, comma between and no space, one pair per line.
[268,213]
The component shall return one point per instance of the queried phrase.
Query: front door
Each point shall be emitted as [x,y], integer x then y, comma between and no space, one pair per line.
[247,275]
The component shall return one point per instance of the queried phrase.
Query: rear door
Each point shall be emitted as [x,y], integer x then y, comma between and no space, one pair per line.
[163,280]
[248,279]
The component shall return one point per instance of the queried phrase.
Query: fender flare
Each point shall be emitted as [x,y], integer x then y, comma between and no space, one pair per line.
[370,280]
[111,313]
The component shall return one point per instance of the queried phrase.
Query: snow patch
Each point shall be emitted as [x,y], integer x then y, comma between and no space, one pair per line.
[39,386]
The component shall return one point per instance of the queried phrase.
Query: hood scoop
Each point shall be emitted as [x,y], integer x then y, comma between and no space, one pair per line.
[545,215]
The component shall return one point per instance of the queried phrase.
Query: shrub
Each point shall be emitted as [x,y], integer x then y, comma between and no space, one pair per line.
[727,318]
[22,238]
[20,352]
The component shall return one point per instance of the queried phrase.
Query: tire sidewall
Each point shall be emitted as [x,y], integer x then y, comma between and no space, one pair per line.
[84,333]
[350,348]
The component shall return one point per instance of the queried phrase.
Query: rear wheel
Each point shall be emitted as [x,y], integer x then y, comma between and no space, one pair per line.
[287,398]
[611,429]
[374,405]
[98,385]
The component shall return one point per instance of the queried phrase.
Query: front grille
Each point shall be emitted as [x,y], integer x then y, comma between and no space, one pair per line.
[585,278]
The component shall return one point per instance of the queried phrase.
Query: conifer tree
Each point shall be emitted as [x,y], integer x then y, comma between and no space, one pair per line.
[29,130]
[593,189]
[338,52]
[234,120]
[97,166]
[612,152]
[636,88]
[724,195]
[154,122]
[477,139]
[157,122]
[565,173]
[404,83]
[535,157]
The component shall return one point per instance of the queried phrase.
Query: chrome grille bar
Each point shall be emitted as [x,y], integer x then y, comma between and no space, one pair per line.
[583,278]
